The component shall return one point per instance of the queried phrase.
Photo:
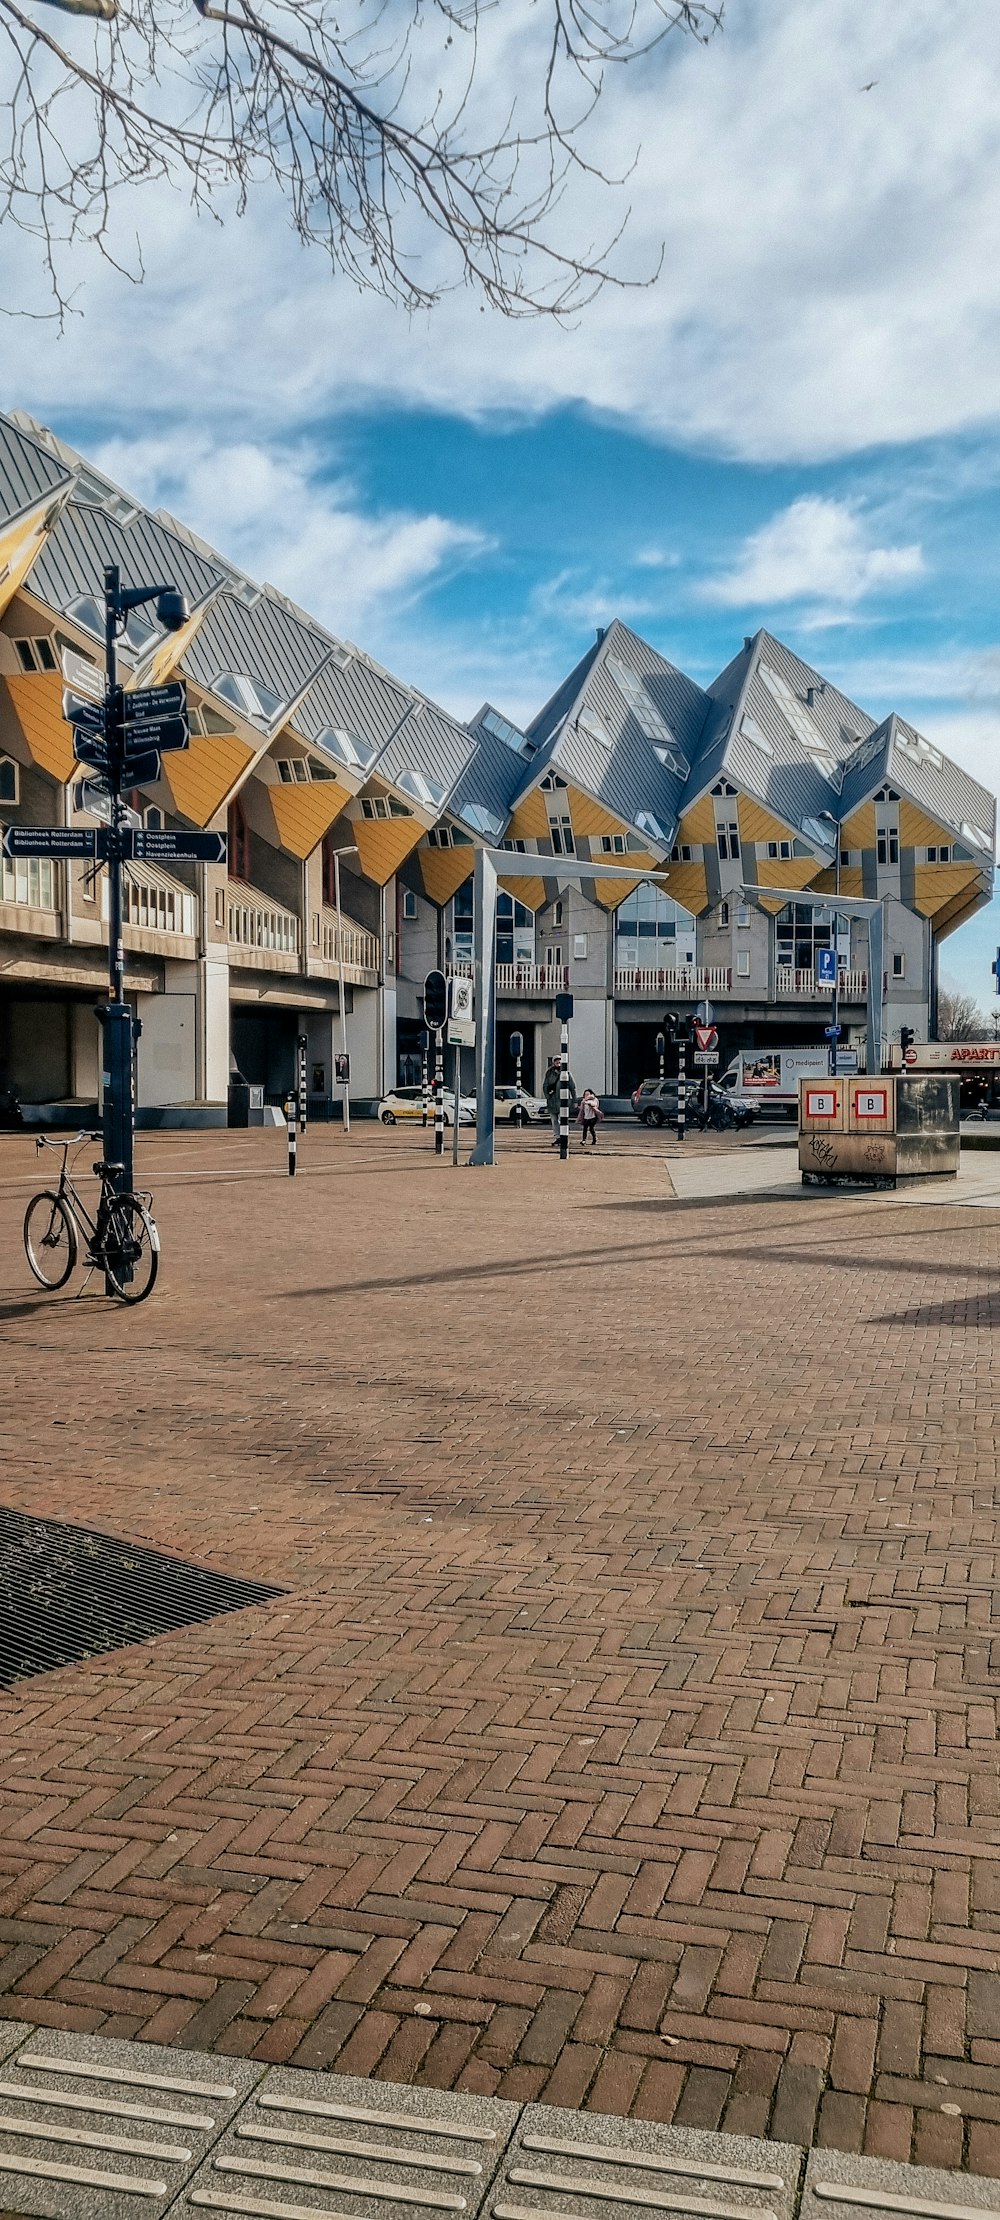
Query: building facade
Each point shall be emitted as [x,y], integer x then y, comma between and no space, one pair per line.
[332,777]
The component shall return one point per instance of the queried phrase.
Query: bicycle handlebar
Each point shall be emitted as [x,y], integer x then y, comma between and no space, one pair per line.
[66,1141]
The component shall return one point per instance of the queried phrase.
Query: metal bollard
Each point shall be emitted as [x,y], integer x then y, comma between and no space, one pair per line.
[292,1138]
[681,1090]
[426,1087]
[564,1092]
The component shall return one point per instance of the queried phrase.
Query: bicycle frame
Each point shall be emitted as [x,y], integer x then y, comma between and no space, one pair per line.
[69,1193]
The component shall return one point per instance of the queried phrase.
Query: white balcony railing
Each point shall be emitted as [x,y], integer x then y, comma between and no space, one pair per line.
[343,942]
[521,978]
[153,902]
[688,982]
[259,926]
[852,986]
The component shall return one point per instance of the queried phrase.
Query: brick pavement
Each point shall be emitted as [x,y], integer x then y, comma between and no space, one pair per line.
[626,1738]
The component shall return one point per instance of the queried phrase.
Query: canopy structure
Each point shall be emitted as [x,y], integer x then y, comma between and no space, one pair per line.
[513,866]
[847,906]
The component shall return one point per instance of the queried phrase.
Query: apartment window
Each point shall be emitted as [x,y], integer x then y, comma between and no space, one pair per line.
[579,946]
[939,855]
[36,655]
[779,850]
[153,820]
[845,858]
[561,832]
[440,837]
[799,930]
[220,905]
[728,835]
[653,932]
[515,847]
[9,781]
[723,913]
[293,770]
[375,805]
[887,837]
[613,844]
[743,963]
[681,854]
[743,916]
[557,914]
[898,964]
[409,903]
[550,784]
[239,842]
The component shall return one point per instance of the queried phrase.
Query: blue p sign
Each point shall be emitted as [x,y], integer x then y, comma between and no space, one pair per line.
[826,967]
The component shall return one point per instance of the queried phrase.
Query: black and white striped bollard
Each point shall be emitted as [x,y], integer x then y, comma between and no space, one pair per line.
[438,1097]
[426,1087]
[292,1137]
[564,1091]
[302,1045]
[681,1088]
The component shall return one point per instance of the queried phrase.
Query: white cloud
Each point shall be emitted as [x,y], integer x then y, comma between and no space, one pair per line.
[275,514]
[830,278]
[816,549]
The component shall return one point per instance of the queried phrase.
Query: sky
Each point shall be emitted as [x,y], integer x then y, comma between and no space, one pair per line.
[797,425]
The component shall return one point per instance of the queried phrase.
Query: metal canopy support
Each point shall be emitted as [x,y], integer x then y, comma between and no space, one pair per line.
[484,935]
[847,906]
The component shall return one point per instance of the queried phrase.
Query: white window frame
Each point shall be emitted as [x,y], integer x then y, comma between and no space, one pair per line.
[743,963]
[7,762]
[409,904]
[898,964]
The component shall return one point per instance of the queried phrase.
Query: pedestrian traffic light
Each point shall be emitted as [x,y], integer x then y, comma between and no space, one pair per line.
[436,1000]
[907,1037]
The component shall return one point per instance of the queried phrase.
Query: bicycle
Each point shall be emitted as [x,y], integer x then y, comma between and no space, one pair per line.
[122,1240]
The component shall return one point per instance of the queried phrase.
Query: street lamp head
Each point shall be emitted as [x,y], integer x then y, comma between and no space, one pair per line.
[172,609]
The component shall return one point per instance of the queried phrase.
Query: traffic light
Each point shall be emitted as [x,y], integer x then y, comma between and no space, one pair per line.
[907,1037]
[995,968]
[435,1001]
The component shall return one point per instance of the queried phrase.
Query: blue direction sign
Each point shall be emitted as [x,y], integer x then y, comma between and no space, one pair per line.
[826,967]
[50,840]
[90,746]
[142,770]
[164,734]
[155,701]
[77,711]
[832,1032]
[995,968]
[148,846]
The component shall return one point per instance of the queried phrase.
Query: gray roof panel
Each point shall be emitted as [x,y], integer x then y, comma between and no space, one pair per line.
[28,471]
[84,539]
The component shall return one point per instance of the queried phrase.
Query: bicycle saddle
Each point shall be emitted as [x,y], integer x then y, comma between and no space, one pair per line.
[111,1169]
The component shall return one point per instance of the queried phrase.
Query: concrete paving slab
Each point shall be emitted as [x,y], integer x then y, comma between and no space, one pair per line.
[315,2143]
[94,2130]
[561,2163]
[841,2187]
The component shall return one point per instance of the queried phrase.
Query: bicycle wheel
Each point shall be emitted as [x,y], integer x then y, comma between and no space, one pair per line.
[131,1249]
[50,1239]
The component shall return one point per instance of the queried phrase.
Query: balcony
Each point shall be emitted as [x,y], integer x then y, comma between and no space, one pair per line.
[687,984]
[154,906]
[261,933]
[338,942]
[522,979]
[29,896]
[800,986]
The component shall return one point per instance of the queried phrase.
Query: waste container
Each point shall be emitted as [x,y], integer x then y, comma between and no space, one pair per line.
[239,1102]
[878,1131]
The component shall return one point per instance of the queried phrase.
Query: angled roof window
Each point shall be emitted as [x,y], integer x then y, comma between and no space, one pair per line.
[593,728]
[503,730]
[797,716]
[250,695]
[357,754]
[647,823]
[975,836]
[824,835]
[750,730]
[653,723]
[481,819]
[914,744]
[87,612]
[245,590]
[423,789]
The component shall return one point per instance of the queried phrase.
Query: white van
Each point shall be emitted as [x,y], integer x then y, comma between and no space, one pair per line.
[767,1079]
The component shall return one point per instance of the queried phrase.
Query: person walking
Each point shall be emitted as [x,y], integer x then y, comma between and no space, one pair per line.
[588,1116]
[550,1090]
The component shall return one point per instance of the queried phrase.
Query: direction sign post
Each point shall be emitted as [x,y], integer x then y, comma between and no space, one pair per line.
[51,840]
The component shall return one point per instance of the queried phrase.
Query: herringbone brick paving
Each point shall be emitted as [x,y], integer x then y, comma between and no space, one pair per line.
[627,1737]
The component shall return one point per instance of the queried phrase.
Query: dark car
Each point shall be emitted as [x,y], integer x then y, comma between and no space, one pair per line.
[655,1101]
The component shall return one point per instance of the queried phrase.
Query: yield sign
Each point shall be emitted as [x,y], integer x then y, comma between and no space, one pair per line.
[706,1036]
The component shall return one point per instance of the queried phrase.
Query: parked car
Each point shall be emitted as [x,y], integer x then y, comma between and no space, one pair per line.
[403,1104]
[655,1101]
[505,1107]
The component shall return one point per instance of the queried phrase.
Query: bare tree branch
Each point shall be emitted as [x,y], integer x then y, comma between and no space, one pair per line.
[380,130]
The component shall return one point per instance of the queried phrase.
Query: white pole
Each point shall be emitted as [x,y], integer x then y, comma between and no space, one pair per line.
[340,987]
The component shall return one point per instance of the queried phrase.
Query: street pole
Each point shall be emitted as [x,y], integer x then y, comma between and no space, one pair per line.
[290,1124]
[425,1087]
[564,1091]
[458,1097]
[118,1120]
[302,1045]
[681,1087]
[438,1093]
[340,988]
[835,996]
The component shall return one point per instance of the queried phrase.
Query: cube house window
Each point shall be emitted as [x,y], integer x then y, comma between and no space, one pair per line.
[9,783]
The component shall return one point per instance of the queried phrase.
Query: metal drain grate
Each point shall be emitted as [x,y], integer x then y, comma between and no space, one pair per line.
[68,1593]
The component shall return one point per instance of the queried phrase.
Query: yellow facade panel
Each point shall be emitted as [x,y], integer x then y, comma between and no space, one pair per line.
[587,817]
[917,830]
[851,881]
[688,885]
[698,822]
[36,699]
[530,820]
[384,843]
[793,872]
[937,885]
[859,831]
[757,824]
[529,891]
[19,545]
[202,777]
[611,893]
[302,814]
[444,870]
